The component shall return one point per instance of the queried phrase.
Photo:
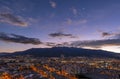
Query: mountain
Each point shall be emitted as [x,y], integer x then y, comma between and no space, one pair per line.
[67,51]
[4,54]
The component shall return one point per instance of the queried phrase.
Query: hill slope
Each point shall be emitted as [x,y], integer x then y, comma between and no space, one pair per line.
[66,51]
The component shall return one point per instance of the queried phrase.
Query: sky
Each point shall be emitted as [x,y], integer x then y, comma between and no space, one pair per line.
[91,24]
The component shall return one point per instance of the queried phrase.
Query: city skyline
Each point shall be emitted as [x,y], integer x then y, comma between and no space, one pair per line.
[92,24]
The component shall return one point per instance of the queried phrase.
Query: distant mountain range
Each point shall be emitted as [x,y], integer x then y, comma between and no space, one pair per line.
[66,51]
[5,54]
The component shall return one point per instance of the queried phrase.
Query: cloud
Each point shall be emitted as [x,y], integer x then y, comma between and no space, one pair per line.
[76,22]
[74,11]
[106,34]
[81,21]
[19,39]
[50,44]
[113,39]
[5,9]
[69,21]
[97,43]
[60,34]
[62,44]
[12,19]
[53,4]
[115,35]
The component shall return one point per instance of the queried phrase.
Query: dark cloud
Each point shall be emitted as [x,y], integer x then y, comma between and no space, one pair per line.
[64,44]
[50,44]
[111,35]
[12,19]
[106,34]
[114,40]
[60,34]
[97,43]
[18,39]
[87,43]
